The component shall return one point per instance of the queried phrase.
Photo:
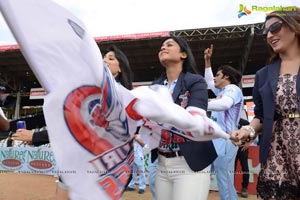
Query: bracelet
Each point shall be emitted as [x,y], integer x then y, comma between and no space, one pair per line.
[251,130]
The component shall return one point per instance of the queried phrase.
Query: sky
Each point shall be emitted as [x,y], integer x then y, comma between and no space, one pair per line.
[119,17]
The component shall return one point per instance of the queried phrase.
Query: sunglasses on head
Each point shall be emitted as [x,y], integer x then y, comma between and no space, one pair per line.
[274,28]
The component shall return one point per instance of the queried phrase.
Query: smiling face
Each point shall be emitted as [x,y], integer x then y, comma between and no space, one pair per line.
[170,52]
[279,36]
[112,62]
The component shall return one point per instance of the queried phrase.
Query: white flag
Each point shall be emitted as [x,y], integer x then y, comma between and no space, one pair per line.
[87,123]
[86,111]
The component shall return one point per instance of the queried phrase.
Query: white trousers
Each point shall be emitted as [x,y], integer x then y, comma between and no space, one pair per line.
[176,181]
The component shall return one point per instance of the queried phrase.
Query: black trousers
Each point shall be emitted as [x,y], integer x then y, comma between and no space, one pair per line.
[242,156]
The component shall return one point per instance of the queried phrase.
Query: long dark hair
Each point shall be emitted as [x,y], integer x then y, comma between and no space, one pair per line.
[125,77]
[189,64]
[291,19]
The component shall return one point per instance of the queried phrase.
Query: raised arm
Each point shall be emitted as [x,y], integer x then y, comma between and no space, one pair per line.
[207,56]
[208,74]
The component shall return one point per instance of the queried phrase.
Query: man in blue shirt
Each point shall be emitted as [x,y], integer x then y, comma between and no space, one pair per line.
[226,111]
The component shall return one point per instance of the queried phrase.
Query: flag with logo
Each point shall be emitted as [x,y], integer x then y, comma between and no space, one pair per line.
[87,124]
[90,118]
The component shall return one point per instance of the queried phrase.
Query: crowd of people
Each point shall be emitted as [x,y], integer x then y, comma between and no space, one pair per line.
[180,168]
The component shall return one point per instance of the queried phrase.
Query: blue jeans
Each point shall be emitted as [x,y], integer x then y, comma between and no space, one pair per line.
[223,166]
[138,166]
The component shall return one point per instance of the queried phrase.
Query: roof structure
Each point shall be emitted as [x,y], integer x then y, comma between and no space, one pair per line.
[240,46]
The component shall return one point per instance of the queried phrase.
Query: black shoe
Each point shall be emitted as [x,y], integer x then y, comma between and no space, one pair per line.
[130,189]
[244,193]
[141,191]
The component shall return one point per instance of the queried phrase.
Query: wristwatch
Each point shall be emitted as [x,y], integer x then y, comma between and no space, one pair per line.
[251,130]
